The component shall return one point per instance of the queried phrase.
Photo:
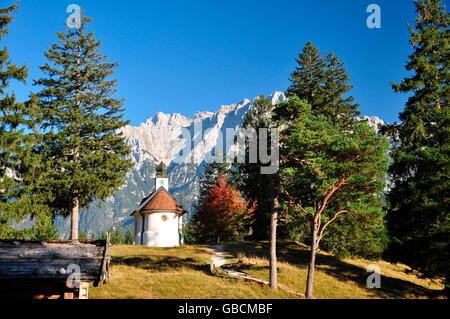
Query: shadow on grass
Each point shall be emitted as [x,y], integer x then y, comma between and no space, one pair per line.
[299,256]
[161,263]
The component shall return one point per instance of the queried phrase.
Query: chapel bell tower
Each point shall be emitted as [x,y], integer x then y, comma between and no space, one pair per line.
[161,177]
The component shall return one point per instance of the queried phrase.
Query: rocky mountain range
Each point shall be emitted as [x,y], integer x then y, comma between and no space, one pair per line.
[158,139]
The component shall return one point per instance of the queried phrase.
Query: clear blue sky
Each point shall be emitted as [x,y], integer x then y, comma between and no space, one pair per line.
[188,56]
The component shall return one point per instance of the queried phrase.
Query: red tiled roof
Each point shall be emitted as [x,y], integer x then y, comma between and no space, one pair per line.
[160,200]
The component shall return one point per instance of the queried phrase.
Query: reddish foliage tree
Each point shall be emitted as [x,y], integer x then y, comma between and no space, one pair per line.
[222,214]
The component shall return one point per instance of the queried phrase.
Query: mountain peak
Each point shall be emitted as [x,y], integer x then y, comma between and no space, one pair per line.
[159,139]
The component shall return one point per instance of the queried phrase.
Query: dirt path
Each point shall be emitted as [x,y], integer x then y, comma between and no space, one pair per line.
[218,255]
[218,260]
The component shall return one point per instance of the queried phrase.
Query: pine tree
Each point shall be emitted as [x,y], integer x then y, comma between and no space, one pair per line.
[82,235]
[211,175]
[247,176]
[129,239]
[418,217]
[117,237]
[102,236]
[262,188]
[314,163]
[43,229]
[328,172]
[323,83]
[79,124]
[16,162]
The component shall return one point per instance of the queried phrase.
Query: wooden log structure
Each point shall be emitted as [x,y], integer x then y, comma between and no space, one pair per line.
[52,269]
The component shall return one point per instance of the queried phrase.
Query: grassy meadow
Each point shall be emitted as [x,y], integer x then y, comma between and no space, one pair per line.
[139,272]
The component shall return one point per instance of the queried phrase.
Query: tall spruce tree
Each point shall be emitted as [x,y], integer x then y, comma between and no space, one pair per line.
[323,82]
[262,188]
[14,202]
[79,122]
[247,176]
[419,212]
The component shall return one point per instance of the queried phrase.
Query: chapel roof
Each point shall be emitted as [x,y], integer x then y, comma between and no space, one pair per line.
[160,200]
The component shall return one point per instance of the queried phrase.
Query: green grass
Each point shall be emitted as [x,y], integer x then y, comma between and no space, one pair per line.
[334,278]
[148,272]
[183,272]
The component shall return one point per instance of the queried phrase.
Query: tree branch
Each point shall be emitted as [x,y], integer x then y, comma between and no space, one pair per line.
[335,187]
[303,162]
[297,160]
[330,221]
[292,202]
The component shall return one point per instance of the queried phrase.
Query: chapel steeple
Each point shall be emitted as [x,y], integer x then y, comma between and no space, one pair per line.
[161,177]
[161,170]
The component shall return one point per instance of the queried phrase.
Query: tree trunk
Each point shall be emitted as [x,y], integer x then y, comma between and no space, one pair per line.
[75,208]
[273,234]
[74,221]
[312,263]
[74,216]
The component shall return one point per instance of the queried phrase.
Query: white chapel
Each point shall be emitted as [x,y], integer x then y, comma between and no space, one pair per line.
[158,219]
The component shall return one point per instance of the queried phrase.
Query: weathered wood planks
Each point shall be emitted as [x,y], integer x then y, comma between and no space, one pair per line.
[51,259]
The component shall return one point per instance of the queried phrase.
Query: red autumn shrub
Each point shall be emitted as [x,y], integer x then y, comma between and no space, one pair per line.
[222,214]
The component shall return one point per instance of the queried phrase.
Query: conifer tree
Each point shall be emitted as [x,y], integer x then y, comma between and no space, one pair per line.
[14,200]
[262,188]
[211,175]
[82,235]
[102,236]
[419,212]
[323,83]
[328,172]
[129,238]
[79,123]
[247,176]
[322,145]
[117,237]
